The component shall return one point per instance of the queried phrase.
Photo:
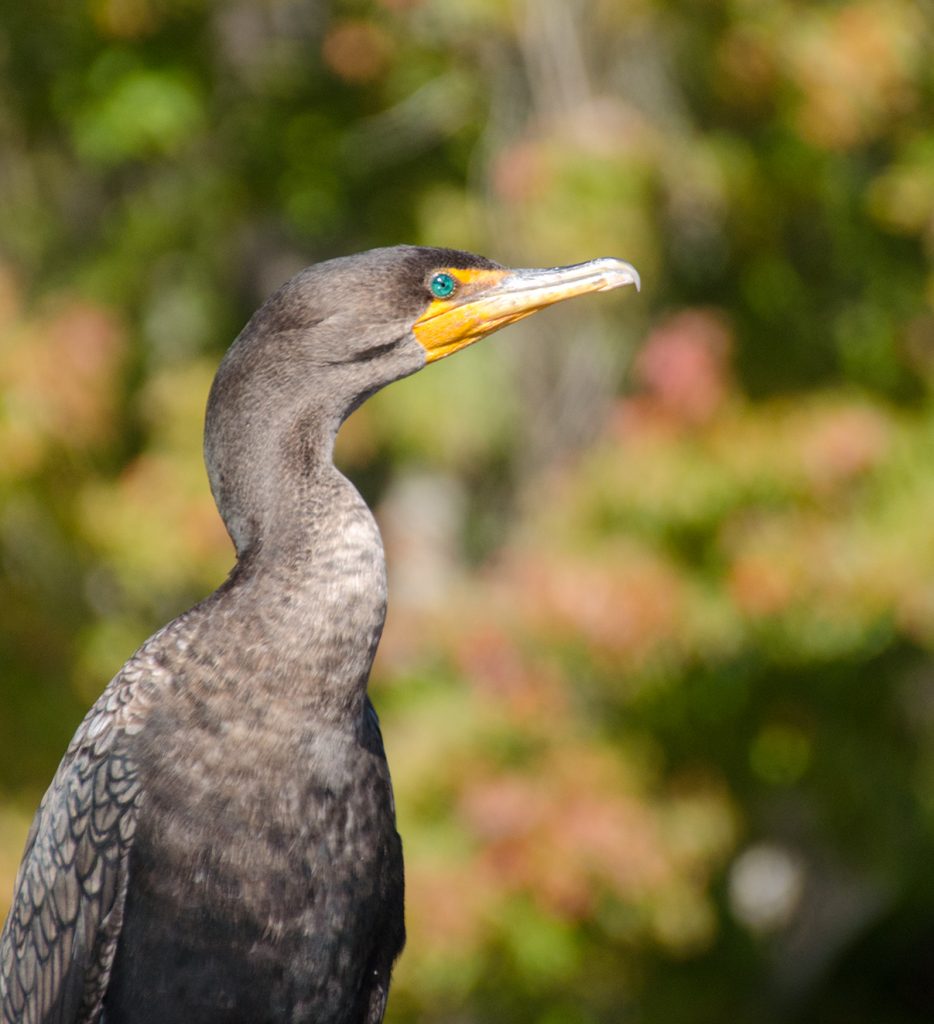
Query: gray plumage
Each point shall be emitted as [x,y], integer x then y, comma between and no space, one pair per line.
[219,842]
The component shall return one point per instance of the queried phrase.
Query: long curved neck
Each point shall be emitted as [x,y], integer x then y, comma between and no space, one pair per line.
[306,602]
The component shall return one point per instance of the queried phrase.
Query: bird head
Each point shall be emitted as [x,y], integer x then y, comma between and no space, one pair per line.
[340,330]
[354,324]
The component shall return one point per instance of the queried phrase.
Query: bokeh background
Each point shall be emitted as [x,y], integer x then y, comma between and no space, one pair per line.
[657,684]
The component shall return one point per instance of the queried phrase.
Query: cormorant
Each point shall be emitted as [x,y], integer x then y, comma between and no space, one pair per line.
[219,843]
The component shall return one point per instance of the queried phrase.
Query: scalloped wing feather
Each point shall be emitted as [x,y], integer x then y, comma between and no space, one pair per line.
[60,939]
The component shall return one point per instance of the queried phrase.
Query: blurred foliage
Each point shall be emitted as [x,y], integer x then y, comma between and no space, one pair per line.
[657,684]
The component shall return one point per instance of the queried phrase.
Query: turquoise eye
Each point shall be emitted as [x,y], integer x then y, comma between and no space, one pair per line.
[442,286]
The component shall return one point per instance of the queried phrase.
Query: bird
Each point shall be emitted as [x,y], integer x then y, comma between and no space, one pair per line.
[219,843]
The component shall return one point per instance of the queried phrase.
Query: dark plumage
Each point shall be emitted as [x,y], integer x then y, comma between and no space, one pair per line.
[219,842]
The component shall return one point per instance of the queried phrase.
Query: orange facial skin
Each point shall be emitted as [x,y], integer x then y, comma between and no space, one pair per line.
[486,300]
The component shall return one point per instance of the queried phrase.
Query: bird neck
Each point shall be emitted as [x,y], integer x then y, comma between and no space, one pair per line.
[307,600]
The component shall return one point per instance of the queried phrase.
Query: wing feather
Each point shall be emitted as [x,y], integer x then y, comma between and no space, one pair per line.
[59,942]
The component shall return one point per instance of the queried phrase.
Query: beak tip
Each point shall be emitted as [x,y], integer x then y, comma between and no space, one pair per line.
[620,273]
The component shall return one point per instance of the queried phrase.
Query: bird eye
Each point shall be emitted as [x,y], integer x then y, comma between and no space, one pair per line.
[442,286]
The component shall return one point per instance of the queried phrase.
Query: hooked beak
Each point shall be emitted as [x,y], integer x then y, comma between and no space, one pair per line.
[487,300]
